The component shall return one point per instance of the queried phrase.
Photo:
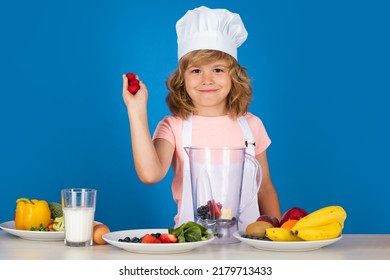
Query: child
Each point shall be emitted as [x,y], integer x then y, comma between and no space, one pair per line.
[208,93]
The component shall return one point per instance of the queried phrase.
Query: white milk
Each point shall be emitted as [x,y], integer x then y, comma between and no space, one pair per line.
[79,224]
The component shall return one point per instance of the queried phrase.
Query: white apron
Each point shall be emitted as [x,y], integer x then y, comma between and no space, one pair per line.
[251,212]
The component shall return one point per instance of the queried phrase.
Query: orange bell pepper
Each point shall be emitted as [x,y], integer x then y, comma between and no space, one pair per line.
[31,214]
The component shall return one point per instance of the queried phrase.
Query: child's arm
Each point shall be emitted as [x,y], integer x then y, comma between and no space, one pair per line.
[151,160]
[267,196]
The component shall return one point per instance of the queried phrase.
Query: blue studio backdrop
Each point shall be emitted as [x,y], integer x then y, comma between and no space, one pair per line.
[320,74]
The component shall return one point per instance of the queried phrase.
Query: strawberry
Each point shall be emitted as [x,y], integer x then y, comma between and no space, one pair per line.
[147,238]
[168,238]
[215,209]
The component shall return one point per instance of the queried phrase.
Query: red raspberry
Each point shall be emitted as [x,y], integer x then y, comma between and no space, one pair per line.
[130,76]
[134,82]
[133,88]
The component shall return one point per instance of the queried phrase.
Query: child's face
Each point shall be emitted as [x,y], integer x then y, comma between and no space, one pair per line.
[208,85]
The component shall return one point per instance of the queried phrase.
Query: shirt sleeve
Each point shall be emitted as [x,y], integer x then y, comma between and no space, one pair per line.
[165,130]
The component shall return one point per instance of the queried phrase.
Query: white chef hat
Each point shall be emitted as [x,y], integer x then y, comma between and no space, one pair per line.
[215,29]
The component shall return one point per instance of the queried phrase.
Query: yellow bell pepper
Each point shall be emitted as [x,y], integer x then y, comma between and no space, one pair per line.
[31,213]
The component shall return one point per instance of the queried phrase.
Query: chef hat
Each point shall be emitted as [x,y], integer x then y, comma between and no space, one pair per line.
[215,29]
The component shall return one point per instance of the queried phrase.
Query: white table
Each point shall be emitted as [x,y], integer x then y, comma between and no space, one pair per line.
[350,247]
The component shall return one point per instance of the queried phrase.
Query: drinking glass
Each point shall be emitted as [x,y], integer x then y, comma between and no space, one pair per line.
[79,206]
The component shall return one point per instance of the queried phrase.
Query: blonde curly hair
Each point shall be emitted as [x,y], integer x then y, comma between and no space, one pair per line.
[238,99]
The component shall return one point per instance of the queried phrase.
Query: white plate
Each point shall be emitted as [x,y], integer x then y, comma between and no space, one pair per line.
[32,235]
[285,246]
[158,248]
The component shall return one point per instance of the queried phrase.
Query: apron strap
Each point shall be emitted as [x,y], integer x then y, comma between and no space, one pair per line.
[249,139]
[252,211]
[186,207]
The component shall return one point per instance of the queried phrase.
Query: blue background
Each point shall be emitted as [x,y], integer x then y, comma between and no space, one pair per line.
[320,73]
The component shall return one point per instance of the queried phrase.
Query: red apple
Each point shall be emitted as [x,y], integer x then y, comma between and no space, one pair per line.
[294,213]
[270,219]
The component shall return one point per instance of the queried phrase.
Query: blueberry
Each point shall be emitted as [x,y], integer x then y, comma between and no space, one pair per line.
[135,240]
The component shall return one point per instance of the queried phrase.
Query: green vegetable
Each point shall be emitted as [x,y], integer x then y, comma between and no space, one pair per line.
[59,224]
[56,210]
[190,232]
[39,228]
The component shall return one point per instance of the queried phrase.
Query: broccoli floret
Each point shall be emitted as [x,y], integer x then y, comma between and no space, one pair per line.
[56,210]
[59,224]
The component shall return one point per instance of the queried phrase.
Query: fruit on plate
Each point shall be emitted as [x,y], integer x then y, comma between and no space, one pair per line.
[294,213]
[148,238]
[289,224]
[280,234]
[327,231]
[168,238]
[152,238]
[133,83]
[98,231]
[270,219]
[138,239]
[31,214]
[257,229]
[324,223]
[186,232]
[322,216]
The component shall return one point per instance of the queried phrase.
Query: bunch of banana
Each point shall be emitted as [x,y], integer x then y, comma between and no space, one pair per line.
[281,234]
[322,224]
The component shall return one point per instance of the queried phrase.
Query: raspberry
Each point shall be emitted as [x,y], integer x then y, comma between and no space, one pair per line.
[133,88]
[133,83]
[130,76]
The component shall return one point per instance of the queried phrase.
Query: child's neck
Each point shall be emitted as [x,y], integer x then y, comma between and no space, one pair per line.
[210,113]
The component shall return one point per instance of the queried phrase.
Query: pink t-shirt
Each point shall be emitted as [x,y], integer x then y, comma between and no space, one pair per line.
[207,132]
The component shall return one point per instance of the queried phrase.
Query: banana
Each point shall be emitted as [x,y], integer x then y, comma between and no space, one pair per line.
[328,231]
[280,234]
[322,216]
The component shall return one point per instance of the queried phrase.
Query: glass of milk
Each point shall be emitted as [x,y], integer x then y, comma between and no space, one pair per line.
[78,205]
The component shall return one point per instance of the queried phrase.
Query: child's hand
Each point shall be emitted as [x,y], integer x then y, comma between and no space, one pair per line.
[134,101]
